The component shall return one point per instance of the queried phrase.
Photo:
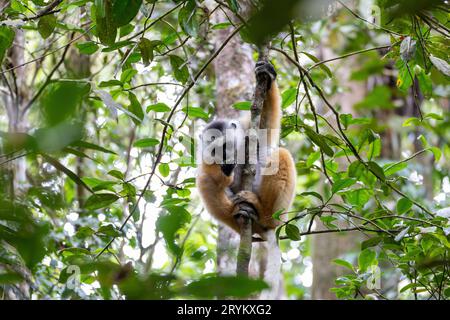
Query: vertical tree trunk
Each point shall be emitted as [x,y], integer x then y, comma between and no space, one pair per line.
[16,122]
[234,69]
[16,169]
[234,74]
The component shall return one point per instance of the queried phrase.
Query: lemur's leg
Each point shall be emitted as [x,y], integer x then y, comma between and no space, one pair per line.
[277,190]
[212,185]
[250,198]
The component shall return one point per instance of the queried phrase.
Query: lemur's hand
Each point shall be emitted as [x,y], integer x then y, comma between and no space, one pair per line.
[247,203]
[264,70]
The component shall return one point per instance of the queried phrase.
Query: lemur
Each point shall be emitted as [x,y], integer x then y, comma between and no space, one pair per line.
[216,181]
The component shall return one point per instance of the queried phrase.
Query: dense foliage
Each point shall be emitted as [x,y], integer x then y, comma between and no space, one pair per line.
[102,101]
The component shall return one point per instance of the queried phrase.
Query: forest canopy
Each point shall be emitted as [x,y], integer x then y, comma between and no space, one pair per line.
[102,105]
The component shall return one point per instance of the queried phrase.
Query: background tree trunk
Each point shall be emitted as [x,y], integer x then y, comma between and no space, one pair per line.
[327,247]
[15,171]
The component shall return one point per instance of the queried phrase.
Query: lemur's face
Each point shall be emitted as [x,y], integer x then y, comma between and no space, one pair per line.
[221,141]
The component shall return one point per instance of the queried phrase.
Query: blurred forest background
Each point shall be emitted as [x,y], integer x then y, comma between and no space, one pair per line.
[101,105]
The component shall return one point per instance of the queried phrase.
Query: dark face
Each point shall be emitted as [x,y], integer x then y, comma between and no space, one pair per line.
[221,138]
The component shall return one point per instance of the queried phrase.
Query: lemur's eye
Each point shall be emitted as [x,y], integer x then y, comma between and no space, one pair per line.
[233,125]
[213,138]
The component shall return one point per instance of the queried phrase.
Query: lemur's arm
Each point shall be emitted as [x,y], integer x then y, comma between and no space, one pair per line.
[271,112]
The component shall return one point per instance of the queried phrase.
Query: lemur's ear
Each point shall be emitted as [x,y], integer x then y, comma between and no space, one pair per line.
[233,125]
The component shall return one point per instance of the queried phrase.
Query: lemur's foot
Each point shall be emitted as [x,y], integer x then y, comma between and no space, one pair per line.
[245,203]
[265,69]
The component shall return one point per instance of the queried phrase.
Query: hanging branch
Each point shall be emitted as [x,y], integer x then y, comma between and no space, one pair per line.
[243,217]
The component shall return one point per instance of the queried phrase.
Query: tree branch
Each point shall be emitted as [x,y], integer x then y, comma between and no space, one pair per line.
[249,171]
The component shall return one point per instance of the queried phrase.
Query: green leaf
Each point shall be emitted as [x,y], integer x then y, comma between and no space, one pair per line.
[312,193]
[425,83]
[6,40]
[376,170]
[146,48]
[61,99]
[90,145]
[59,166]
[170,224]
[74,251]
[374,149]
[100,200]
[401,234]
[117,45]
[127,75]
[180,70]
[224,287]
[413,121]
[220,26]
[371,242]
[46,25]
[436,152]
[158,107]
[441,65]
[404,80]
[113,105]
[292,232]
[88,47]
[342,184]
[313,157]
[84,232]
[243,105]
[278,214]
[322,66]
[343,263]
[403,205]
[116,174]
[123,11]
[136,108]
[20,229]
[105,27]
[195,112]
[320,141]
[164,169]
[407,49]
[110,83]
[146,143]
[410,286]
[356,169]
[390,169]
[358,197]
[187,18]
[366,258]
[288,97]
[109,230]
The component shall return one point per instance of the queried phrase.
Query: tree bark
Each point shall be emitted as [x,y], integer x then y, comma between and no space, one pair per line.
[16,169]
[234,77]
